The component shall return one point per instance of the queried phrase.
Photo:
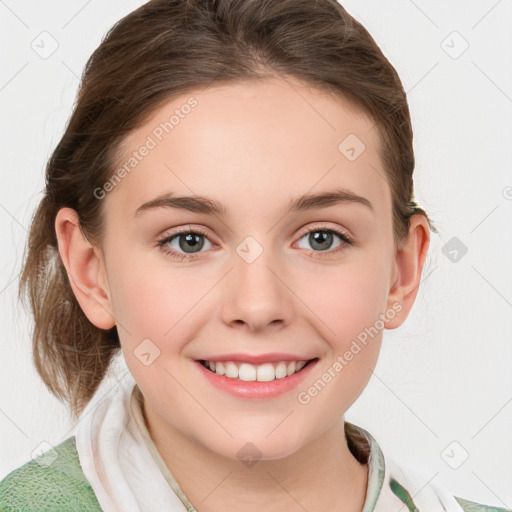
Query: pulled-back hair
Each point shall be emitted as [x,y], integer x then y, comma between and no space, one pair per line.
[161,50]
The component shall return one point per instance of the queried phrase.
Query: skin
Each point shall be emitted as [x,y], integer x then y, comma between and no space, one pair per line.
[252,146]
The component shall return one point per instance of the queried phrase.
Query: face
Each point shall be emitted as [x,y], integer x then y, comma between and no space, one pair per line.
[265,278]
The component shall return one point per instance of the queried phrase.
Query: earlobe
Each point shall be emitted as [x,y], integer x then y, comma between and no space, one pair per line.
[408,265]
[85,269]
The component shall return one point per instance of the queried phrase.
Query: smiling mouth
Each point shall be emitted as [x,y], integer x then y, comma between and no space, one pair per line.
[251,373]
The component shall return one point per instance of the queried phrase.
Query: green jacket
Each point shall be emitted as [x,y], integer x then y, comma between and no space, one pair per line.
[42,487]
[59,485]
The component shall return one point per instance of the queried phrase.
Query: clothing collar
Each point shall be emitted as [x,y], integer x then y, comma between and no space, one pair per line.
[127,473]
[359,440]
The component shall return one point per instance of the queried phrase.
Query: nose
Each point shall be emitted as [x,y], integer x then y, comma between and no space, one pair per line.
[256,297]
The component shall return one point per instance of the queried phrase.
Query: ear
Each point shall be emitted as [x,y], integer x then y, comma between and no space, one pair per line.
[408,265]
[85,267]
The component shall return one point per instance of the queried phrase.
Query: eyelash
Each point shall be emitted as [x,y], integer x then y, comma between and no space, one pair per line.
[346,239]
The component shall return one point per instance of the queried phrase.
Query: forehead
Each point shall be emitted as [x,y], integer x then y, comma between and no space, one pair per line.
[256,142]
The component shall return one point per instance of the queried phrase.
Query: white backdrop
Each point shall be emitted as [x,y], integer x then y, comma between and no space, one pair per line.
[441,396]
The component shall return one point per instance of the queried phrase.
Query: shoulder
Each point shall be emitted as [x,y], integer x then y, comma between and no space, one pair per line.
[408,485]
[471,506]
[51,481]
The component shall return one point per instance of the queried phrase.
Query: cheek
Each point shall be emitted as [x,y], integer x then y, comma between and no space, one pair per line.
[151,308]
[347,299]
[142,308]
[149,300]
[158,312]
[349,310]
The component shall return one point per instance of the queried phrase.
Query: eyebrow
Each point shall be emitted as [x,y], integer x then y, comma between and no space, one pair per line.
[199,204]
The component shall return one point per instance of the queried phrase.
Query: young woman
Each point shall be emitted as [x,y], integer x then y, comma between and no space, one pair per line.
[231,207]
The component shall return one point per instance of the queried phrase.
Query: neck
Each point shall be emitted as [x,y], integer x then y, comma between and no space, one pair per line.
[323,475]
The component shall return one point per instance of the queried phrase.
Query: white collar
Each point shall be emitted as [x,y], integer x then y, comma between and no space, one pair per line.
[128,474]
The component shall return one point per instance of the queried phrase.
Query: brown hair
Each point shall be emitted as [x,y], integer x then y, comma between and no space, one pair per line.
[163,49]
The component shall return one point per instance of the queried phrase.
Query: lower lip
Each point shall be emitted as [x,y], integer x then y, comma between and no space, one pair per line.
[256,389]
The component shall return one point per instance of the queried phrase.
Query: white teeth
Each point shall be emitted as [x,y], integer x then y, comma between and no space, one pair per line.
[219,368]
[231,370]
[266,372]
[281,370]
[248,372]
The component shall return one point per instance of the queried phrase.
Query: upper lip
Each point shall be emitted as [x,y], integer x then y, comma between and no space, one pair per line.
[257,359]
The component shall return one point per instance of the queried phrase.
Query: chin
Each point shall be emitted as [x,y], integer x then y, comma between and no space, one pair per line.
[249,449]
